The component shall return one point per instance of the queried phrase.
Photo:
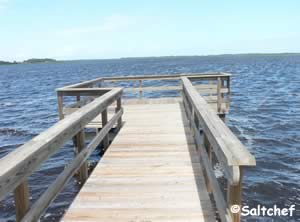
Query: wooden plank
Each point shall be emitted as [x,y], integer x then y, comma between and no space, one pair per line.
[20,163]
[83,91]
[85,84]
[146,175]
[193,76]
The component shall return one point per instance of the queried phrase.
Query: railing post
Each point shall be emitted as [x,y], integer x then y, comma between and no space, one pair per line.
[141,89]
[21,195]
[208,149]
[104,122]
[60,103]
[228,93]
[219,97]
[234,197]
[80,145]
[118,108]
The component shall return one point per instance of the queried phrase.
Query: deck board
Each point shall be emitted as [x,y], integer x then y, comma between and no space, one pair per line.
[150,173]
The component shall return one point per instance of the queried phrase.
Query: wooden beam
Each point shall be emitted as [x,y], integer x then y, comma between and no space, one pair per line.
[84,91]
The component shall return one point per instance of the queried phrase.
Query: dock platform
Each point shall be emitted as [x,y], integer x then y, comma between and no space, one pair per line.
[162,137]
[151,172]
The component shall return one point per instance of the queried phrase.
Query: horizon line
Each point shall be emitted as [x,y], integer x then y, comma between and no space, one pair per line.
[162,56]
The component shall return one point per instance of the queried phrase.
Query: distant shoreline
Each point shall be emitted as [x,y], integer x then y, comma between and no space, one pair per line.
[48,60]
[29,61]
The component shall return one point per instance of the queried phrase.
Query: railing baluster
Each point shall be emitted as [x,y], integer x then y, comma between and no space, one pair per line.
[21,195]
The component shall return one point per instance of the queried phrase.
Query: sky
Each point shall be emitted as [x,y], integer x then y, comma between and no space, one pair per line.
[77,29]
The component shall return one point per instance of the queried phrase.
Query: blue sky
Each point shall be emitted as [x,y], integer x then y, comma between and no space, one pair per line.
[74,29]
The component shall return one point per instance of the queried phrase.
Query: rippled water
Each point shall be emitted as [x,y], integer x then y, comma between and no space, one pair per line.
[265,115]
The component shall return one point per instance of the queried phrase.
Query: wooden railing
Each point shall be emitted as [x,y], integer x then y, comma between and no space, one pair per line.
[214,87]
[212,136]
[22,162]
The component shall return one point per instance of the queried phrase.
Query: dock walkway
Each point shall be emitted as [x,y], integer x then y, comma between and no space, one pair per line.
[150,172]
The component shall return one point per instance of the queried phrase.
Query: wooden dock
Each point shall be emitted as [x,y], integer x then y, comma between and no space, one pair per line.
[159,166]
[150,172]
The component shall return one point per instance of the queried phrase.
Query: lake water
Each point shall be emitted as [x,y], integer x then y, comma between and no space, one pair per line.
[264,114]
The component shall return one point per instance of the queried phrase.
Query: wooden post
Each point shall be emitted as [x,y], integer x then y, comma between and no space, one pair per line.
[21,194]
[219,98]
[234,197]
[80,145]
[60,103]
[119,107]
[140,86]
[208,149]
[104,122]
[228,93]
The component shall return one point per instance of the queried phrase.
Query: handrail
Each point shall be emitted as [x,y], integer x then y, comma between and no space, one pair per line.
[173,76]
[22,162]
[217,138]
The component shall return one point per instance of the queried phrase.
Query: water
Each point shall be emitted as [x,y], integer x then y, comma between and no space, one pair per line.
[264,114]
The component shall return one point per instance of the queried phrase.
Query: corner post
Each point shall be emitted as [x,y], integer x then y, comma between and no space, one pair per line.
[21,195]
[60,103]
[234,197]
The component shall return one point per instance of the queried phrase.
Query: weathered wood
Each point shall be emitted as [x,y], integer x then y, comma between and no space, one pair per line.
[204,89]
[208,149]
[223,141]
[60,103]
[83,170]
[83,91]
[228,93]
[234,197]
[149,173]
[85,84]
[21,195]
[119,107]
[140,88]
[104,122]
[48,196]
[192,76]
[20,163]
[219,100]
[223,210]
